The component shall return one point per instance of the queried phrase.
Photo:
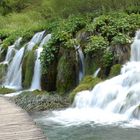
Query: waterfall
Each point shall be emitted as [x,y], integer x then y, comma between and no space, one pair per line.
[12,50]
[37,68]
[14,74]
[36,39]
[96,72]
[114,101]
[81,62]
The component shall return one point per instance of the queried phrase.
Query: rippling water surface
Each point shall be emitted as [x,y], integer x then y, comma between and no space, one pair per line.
[88,131]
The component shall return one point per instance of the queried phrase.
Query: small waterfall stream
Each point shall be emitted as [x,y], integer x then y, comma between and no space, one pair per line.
[113,101]
[96,72]
[37,68]
[81,62]
[12,50]
[14,76]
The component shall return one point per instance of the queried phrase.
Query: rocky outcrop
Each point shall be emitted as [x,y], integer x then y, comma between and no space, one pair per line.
[121,53]
[67,71]
[28,68]
[39,101]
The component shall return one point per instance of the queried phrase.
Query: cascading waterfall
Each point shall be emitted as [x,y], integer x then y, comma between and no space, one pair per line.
[12,50]
[14,59]
[114,101]
[14,74]
[37,68]
[36,39]
[81,62]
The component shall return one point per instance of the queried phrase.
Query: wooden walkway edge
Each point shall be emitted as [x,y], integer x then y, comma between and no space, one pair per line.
[15,123]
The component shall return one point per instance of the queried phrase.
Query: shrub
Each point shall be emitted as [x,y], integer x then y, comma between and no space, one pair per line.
[96,44]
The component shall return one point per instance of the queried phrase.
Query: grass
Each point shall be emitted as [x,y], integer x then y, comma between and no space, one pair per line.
[4,90]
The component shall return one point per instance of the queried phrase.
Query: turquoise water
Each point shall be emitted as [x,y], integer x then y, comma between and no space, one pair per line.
[90,131]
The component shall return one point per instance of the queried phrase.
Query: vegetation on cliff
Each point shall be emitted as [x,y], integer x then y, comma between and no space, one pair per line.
[99,27]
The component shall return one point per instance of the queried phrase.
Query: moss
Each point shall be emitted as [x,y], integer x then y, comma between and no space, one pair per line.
[115,70]
[28,68]
[91,64]
[4,90]
[3,69]
[86,84]
[3,53]
[66,77]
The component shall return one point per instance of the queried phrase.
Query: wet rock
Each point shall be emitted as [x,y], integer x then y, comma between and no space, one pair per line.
[121,53]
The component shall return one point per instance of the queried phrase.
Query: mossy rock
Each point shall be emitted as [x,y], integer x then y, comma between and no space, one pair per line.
[3,69]
[3,53]
[66,76]
[40,100]
[86,84]
[115,70]
[4,90]
[28,68]
[48,80]
[92,63]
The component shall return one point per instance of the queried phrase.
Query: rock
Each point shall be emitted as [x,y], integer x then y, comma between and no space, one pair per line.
[28,68]
[121,53]
[3,70]
[67,71]
[48,81]
[115,70]
[39,101]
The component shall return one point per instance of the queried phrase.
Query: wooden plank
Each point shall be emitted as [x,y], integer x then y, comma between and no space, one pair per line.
[15,123]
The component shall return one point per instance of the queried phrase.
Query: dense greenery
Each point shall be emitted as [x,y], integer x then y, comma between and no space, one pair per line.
[95,25]
[102,32]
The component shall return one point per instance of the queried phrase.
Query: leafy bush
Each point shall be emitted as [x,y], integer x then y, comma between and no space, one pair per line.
[96,44]
[121,39]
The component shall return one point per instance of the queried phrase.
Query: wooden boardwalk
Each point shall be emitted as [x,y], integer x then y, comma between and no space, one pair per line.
[15,123]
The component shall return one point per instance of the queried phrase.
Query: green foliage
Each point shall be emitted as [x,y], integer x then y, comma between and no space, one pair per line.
[86,84]
[66,79]
[121,39]
[28,68]
[96,44]
[7,6]
[4,90]
[48,55]
[107,58]
[133,9]
[115,70]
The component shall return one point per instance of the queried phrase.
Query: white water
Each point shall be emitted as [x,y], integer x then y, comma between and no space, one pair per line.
[96,72]
[36,39]
[113,101]
[37,68]
[81,62]
[14,74]
[12,50]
